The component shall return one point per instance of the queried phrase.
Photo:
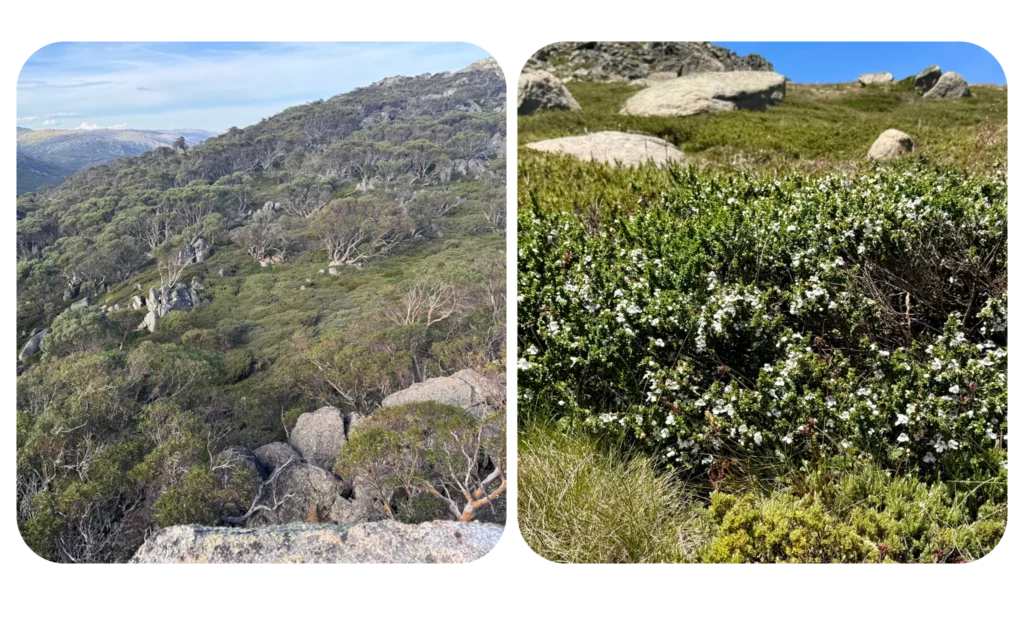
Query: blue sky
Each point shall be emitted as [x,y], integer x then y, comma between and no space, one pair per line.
[210,86]
[841,62]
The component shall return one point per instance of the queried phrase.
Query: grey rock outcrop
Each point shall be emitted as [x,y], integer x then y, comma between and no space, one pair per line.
[466,389]
[875,79]
[927,78]
[949,86]
[196,252]
[33,344]
[163,300]
[138,302]
[318,436]
[539,90]
[616,61]
[487,64]
[83,303]
[273,455]
[305,493]
[612,147]
[891,144]
[148,322]
[379,542]
[201,250]
[237,467]
[708,92]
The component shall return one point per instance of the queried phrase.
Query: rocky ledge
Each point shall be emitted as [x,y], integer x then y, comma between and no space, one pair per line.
[380,542]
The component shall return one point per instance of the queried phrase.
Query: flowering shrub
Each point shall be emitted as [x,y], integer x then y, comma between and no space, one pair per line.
[712,318]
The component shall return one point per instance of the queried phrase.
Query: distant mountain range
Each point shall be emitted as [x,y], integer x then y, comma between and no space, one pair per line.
[46,157]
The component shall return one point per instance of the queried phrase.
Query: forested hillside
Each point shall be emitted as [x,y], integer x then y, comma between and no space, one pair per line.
[194,301]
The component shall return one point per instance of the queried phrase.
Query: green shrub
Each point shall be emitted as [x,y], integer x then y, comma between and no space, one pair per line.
[712,318]
[196,338]
[79,330]
[782,528]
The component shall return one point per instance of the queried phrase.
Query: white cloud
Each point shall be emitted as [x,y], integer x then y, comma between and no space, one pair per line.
[50,122]
[27,119]
[88,126]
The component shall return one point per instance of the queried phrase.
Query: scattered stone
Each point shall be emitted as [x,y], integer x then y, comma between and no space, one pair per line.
[891,144]
[319,435]
[875,79]
[378,542]
[83,303]
[540,90]
[949,86]
[138,302]
[321,271]
[708,92]
[927,78]
[612,147]
[33,344]
[333,271]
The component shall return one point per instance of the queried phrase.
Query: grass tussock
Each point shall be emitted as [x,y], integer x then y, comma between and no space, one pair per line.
[582,503]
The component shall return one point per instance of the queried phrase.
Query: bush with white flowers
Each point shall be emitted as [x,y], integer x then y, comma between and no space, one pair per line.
[755,319]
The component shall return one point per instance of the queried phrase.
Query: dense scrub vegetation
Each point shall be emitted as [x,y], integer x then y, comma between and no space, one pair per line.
[816,361]
[357,248]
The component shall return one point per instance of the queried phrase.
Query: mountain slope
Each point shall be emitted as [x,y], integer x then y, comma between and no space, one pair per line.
[331,254]
[63,152]
[34,173]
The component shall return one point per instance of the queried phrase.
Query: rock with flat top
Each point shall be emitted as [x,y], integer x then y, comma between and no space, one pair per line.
[467,389]
[378,542]
[708,92]
[612,147]
[875,79]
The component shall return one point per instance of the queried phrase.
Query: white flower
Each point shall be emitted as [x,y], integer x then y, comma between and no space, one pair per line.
[523,364]
[532,350]
[659,343]
[900,419]
[929,458]
[954,390]
[757,438]
[903,438]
